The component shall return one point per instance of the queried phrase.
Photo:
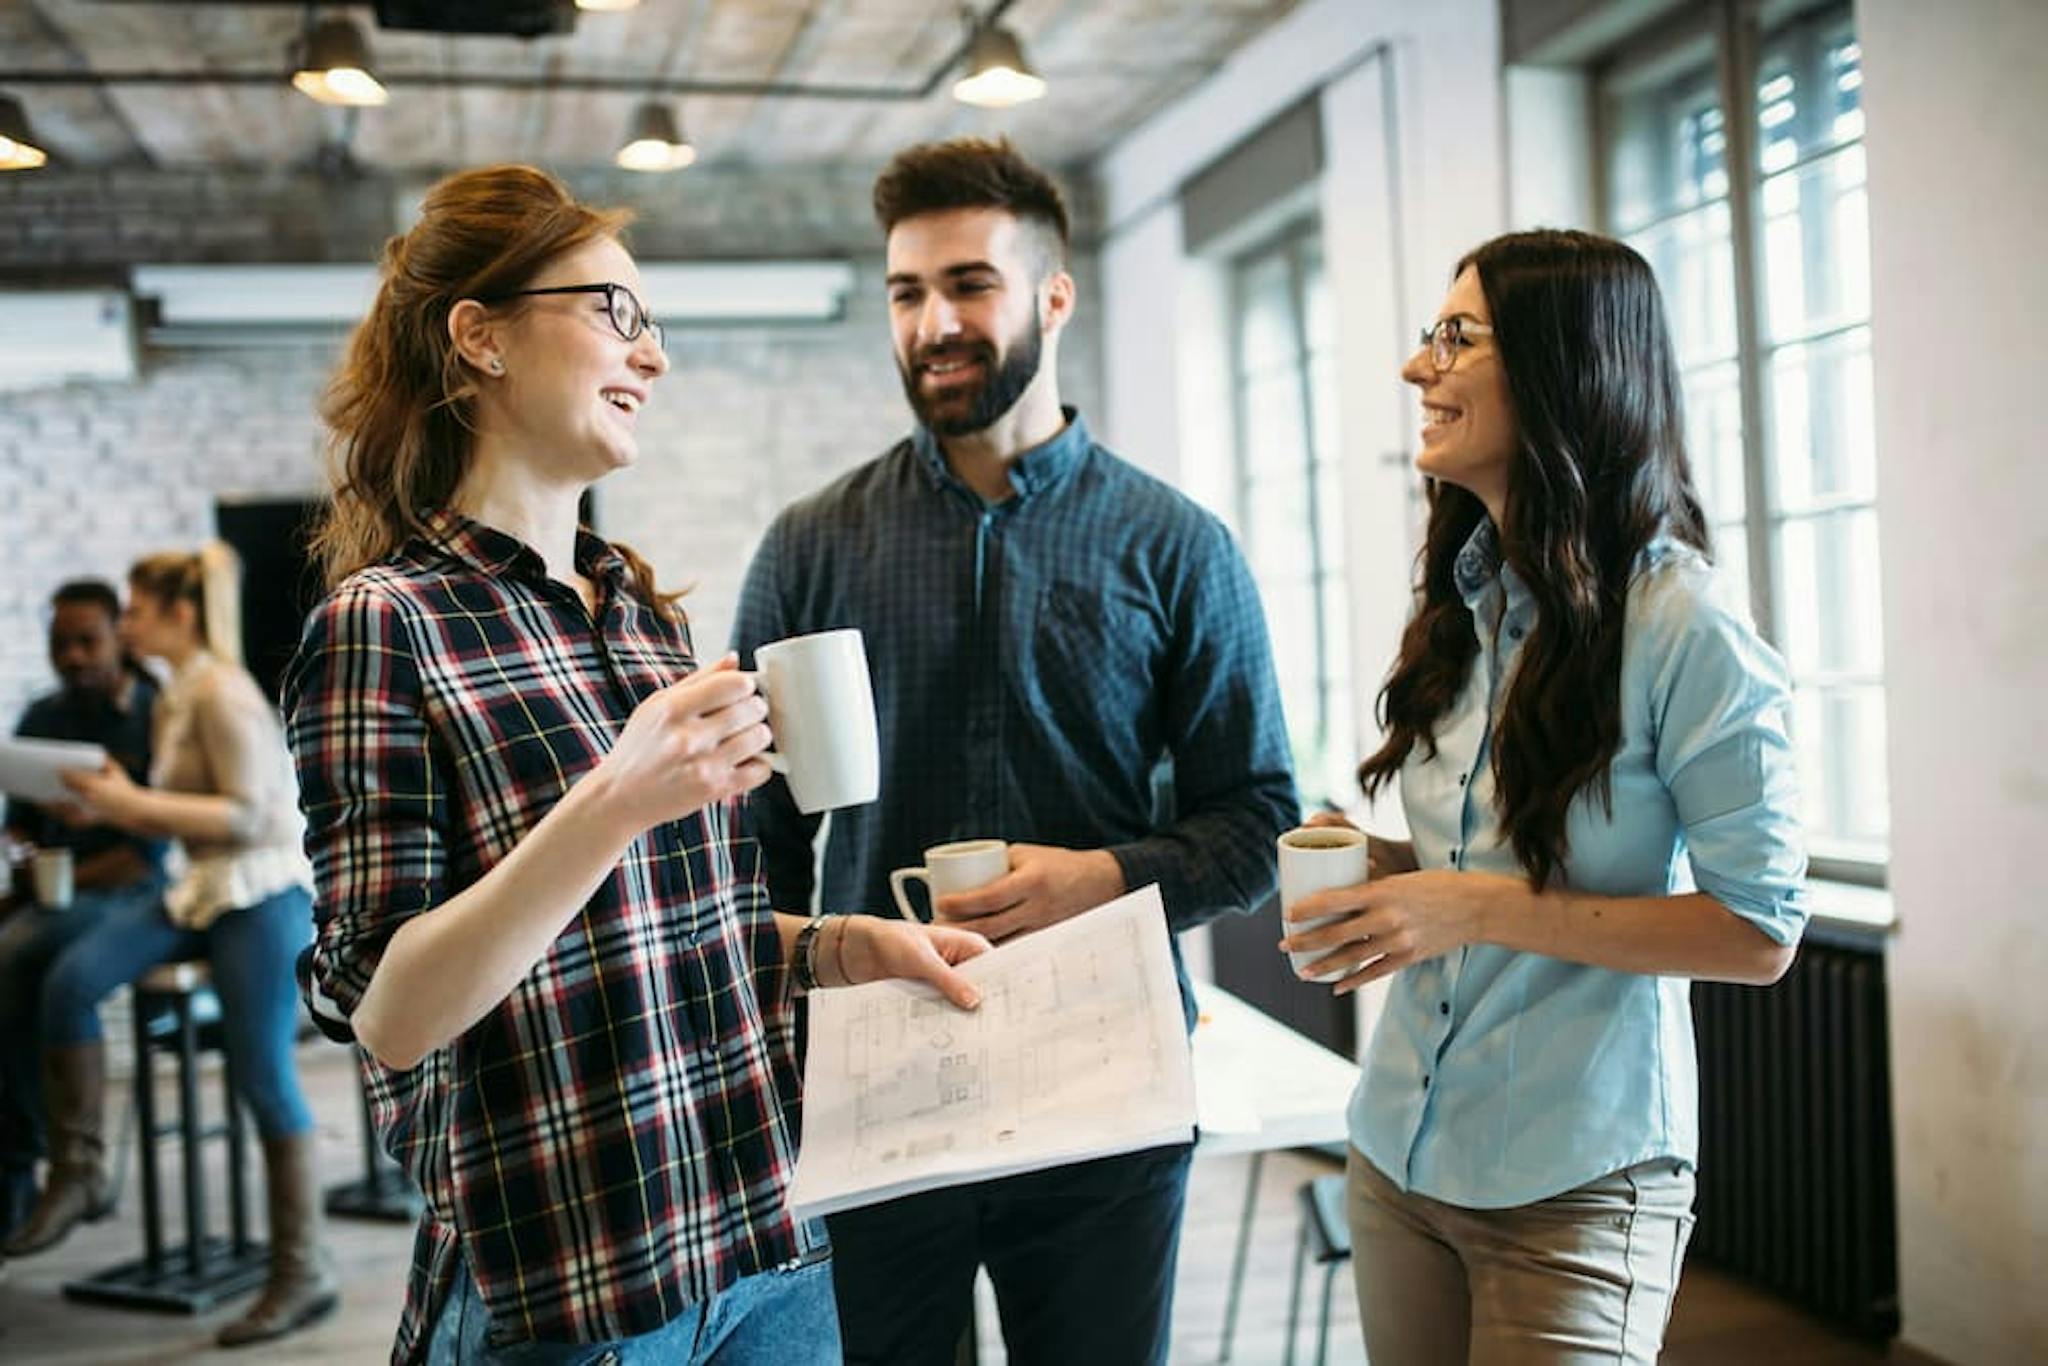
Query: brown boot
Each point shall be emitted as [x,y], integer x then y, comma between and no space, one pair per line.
[74,1090]
[301,1289]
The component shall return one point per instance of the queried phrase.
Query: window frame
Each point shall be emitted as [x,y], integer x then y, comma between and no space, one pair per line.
[1292,242]
[1734,33]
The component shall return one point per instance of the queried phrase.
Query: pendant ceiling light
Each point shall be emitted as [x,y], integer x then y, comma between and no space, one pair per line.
[998,73]
[606,6]
[655,142]
[336,66]
[19,150]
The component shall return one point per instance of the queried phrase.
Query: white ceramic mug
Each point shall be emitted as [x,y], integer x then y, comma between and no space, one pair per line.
[53,878]
[1315,858]
[949,869]
[821,707]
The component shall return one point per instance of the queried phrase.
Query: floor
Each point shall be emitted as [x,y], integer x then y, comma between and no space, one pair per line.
[1717,1320]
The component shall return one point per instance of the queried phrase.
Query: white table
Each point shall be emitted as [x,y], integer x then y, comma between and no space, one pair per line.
[1260,1086]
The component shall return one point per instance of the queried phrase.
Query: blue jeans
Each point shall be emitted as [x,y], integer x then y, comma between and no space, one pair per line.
[30,941]
[250,951]
[775,1318]
[1081,1257]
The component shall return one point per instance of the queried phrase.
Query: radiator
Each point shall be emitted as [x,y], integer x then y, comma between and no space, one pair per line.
[1796,1183]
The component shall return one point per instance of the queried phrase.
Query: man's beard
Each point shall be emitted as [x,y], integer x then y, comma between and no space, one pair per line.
[962,412]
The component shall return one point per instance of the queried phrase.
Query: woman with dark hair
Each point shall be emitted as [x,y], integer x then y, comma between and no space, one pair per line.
[539,898]
[1592,756]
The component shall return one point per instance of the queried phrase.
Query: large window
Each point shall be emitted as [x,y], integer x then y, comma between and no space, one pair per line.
[1290,495]
[1756,226]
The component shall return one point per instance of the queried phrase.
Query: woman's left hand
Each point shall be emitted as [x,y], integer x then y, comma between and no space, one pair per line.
[1389,923]
[103,795]
[872,947]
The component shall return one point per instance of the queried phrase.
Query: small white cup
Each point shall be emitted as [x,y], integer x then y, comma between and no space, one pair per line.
[949,869]
[821,707]
[1315,858]
[53,878]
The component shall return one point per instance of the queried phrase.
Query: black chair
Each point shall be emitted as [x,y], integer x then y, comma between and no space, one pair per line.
[176,1011]
[1326,1237]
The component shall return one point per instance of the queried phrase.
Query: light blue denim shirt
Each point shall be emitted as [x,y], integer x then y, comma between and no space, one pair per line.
[1498,1078]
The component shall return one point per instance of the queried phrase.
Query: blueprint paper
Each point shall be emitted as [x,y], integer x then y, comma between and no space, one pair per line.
[1079,1050]
[30,769]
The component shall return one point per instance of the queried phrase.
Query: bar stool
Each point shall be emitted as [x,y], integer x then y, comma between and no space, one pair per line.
[1326,1235]
[176,1011]
[384,1192]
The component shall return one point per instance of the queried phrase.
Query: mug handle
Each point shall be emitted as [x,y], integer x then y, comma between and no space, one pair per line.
[897,882]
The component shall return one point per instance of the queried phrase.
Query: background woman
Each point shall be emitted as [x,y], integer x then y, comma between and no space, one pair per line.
[221,785]
[539,901]
[1571,712]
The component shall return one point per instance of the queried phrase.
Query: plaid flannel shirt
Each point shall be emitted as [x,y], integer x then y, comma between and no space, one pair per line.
[609,1144]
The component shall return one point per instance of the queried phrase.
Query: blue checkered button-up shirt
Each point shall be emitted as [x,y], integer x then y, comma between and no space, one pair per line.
[1034,661]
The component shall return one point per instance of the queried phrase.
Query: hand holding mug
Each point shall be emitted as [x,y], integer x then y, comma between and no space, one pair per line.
[693,743]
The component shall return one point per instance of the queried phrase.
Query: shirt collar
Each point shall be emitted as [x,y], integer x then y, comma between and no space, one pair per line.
[496,553]
[1479,567]
[1037,469]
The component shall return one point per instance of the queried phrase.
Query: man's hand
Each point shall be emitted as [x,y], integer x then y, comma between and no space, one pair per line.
[1044,886]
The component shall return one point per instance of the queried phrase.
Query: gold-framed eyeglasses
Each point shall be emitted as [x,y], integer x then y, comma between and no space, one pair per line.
[628,315]
[1446,337]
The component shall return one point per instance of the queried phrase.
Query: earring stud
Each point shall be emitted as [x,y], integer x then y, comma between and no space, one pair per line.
[497,366]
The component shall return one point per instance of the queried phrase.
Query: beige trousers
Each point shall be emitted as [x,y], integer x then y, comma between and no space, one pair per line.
[1585,1276]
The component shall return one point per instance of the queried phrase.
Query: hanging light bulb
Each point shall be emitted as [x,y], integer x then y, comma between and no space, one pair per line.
[998,73]
[336,66]
[607,6]
[655,141]
[19,150]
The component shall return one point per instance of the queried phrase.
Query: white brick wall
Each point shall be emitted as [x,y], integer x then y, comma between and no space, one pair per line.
[94,476]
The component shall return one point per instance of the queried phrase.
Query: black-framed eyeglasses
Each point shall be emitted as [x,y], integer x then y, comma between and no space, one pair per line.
[1444,338]
[629,316]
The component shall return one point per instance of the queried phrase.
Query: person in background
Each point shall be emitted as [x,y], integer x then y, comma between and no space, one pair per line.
[540,909]
[1582,735]
[1047,626]
[223,788]
[106,700]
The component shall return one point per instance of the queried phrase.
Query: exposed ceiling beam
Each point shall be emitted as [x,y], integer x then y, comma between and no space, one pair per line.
[463,80]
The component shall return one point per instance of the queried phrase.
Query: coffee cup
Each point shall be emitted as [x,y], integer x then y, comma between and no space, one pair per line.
[950,869]
[821,708]
[1315,858]
[52,876]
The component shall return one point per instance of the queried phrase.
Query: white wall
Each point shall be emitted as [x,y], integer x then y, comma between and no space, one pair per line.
[1414,176]
[1550,147]
[1958,194]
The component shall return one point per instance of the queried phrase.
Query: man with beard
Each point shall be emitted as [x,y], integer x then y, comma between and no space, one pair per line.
[1051,632]
[105,700]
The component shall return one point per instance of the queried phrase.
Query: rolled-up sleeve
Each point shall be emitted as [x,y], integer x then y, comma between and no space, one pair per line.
[370,788]
[1722,700]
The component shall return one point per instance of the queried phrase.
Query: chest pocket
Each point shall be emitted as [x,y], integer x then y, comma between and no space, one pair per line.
[1095,650]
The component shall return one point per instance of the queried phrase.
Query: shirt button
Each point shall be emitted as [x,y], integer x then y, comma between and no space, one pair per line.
[1425,1082]
[1454,856]
[1443,1007]
[1461,779]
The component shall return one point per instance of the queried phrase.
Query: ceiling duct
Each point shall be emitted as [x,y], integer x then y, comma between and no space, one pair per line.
[513,18]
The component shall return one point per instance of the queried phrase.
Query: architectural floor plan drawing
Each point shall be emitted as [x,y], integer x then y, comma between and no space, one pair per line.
[1078,1050]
